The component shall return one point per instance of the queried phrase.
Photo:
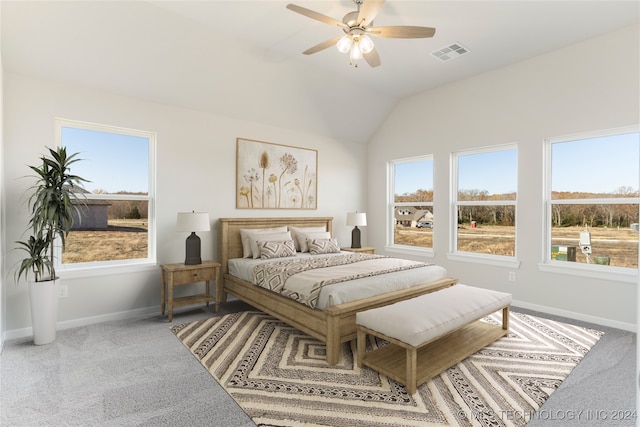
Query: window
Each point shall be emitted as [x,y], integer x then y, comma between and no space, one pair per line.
[116,221]
[485,186]
[411,203]
[592,199]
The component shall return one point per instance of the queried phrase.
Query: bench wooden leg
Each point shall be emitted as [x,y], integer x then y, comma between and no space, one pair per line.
[361,341]
[505,318]
[412,370]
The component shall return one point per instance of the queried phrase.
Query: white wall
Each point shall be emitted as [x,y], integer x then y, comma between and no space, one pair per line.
[2,205]
[588,86]
[195,171]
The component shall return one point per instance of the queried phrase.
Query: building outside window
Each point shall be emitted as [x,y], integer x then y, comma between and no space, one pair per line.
[411,203]
[116,221]
[484,183]
[592,199]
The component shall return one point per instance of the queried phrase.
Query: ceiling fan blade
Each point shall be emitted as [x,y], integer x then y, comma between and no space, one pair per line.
[368,11]
[402,32]
[315,15]
[372,58]
[322,46]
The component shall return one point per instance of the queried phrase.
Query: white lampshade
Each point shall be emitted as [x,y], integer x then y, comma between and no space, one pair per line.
[193,221]
[357,219]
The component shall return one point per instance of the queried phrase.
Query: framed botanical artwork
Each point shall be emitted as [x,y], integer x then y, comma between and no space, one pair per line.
[274,176]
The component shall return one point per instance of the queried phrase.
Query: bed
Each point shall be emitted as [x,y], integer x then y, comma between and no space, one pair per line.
[334,324]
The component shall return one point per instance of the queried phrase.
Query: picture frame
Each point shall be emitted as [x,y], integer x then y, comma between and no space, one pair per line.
[275,176]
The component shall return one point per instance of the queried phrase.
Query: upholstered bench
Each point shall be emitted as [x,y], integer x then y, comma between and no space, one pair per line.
[430,333]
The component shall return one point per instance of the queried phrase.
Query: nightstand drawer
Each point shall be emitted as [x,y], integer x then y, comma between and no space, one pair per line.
[191,276]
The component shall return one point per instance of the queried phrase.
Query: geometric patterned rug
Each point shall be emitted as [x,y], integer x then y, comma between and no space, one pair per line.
[278,375]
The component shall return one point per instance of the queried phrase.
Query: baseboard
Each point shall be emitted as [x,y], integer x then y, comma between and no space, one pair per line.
[121,315]
[577,316]
[27,332]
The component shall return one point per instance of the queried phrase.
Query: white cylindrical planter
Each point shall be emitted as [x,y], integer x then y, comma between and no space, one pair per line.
[44,310]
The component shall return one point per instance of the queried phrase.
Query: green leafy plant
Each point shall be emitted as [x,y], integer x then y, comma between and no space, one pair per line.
[53,203]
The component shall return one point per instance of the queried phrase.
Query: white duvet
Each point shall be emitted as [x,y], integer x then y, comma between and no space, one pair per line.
[351,290]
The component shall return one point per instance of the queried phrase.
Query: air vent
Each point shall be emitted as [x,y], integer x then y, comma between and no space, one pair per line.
[454,50]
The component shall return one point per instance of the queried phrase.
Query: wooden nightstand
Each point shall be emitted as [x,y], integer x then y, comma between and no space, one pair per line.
[181,274]
[362,250]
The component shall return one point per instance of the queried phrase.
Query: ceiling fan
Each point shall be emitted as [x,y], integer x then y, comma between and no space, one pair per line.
[358,26]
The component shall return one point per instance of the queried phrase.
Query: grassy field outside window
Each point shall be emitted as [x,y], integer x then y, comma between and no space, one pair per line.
[117,223]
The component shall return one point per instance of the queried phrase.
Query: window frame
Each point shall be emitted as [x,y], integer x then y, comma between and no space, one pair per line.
[488,259]
[84,269]
[390,245]
[622,274]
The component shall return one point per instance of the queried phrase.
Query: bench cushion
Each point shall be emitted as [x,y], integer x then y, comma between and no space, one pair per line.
[421,319]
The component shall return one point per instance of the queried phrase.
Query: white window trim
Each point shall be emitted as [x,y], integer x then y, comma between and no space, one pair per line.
[601,272]
[619,274]
[390,246]
[485,259]
[86,269]
[411,251]
[454,254]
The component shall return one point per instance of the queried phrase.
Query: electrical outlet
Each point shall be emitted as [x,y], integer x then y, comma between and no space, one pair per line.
[63,292]
[512,276]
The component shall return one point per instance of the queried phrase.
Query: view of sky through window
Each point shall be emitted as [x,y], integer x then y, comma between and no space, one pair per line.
[104,155]
[596,165]
[412,176]
[493,171]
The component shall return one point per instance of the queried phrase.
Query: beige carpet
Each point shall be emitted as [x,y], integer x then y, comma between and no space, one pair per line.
[278,375]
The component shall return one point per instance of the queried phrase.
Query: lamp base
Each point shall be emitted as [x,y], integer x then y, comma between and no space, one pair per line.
[193,250]
[355,238]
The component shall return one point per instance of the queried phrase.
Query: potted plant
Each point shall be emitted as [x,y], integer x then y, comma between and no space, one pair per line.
[53,205]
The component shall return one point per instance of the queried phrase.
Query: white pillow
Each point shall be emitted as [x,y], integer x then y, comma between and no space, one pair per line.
[267,237]
[295,231]
[304,237]
[246,235]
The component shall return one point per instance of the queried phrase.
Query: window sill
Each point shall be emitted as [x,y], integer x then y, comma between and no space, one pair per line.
[411,251]
[618,274]
[100,270]
[495,260]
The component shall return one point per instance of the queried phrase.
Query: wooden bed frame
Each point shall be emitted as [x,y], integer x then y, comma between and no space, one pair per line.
[335,324]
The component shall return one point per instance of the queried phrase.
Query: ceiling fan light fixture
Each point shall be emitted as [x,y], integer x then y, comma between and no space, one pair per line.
[356,53]
[357,25]
[345,44]
[365,43]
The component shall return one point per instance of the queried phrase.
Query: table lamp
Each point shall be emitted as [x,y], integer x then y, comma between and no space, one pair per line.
[356,219]
[192,222]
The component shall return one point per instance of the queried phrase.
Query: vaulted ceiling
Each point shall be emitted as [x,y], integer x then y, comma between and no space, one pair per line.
[244,58]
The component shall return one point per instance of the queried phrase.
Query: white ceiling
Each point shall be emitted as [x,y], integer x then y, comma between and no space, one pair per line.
[237,57]
[496,32]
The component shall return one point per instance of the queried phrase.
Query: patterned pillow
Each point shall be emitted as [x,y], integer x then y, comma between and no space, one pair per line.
[273,249]
[323,246]
[273,237]
[304,238]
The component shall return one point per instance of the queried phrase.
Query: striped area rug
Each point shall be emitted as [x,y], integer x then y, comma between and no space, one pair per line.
[278,375]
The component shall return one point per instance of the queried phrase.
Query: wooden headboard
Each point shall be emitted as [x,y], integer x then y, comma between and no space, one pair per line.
[231,243]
